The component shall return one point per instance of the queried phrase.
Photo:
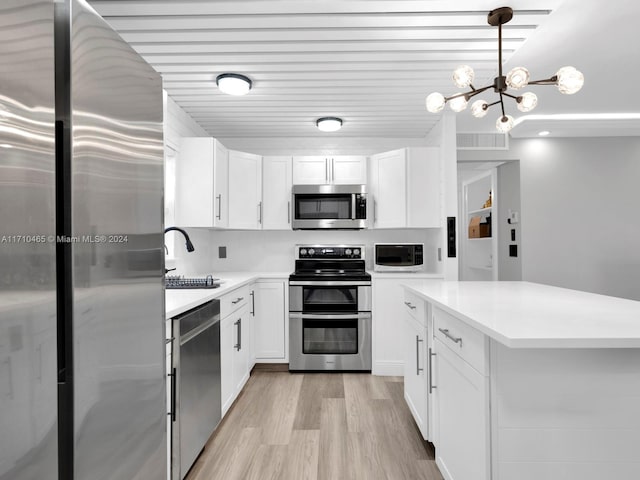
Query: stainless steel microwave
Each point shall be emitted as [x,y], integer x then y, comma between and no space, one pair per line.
[329,207]
[398,257]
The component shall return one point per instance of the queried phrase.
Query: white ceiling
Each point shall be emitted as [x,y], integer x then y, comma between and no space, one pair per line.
[372,62]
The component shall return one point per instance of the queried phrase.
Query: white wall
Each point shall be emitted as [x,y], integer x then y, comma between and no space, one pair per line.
[509,268]
[579,201]
[178,124]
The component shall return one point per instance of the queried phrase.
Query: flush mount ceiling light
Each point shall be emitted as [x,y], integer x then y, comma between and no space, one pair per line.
[567,79]
[233,84]
[329,124]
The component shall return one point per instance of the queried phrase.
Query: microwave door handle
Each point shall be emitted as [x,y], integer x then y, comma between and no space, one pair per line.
[353,206]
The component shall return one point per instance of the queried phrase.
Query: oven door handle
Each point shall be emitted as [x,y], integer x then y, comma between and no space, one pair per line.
[328,283]
[331,316]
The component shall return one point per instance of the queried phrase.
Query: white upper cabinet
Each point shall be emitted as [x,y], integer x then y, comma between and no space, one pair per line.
[201,183]
[404,187]
[339,170]
[221,186]
[276,193]
[245,190]
[348,170]
[423,188]
[310,170]
[387,189]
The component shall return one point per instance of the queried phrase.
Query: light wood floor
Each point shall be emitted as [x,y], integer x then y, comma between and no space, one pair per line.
[317,427]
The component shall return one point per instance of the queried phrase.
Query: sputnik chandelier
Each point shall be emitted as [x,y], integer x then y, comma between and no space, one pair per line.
[567,79]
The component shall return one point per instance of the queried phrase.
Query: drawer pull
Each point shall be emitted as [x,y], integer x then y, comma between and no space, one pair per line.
[446,333]
[408,304]
[239,299]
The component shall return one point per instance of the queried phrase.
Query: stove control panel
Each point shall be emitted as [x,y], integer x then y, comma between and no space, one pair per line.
[346,252]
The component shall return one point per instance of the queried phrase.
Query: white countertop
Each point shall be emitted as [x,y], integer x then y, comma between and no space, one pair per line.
[531,315]
[179,301]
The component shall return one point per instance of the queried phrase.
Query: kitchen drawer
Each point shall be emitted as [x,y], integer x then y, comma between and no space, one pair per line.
[416,306]
[234,300]
[470,344]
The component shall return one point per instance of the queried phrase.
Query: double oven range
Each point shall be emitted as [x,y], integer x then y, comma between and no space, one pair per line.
[330,309]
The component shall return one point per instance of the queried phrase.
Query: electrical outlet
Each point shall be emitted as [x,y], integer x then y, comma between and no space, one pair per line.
[222,252]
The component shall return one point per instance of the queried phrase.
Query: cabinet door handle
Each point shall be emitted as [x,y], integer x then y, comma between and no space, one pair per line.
[259,213]
[408,304]
[253,303]
[375,217]
[431,385]
[219,215]
[446,333]
[288,212]
[326,170]
[238,345]
[418,342]
[239,299]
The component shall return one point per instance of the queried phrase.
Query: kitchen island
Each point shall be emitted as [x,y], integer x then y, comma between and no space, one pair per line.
[529,381]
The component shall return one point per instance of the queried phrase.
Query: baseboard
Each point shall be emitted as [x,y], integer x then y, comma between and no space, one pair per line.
[271,367]
[385,368]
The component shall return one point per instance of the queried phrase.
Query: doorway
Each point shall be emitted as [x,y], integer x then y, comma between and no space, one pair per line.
[490,223]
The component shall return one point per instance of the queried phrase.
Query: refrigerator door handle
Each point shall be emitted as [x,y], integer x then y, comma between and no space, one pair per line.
[7,362]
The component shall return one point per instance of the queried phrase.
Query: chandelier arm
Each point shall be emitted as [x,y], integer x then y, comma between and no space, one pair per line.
[457,95]
[478,91]
[492,104]
[547,81]
[510,96]
[502,105]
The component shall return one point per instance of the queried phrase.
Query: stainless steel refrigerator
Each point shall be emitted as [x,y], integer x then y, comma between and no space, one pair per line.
[82,376]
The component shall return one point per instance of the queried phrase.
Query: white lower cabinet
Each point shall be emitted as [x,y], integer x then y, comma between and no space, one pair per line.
[417,344]
[388,340]
[270,321]
[461,400]
[235,344]
[416,390]
[388,346]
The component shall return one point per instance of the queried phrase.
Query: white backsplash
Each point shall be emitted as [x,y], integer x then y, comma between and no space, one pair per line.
[273,251]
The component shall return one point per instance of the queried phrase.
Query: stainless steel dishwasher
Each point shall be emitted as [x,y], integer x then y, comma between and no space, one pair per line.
[195,378]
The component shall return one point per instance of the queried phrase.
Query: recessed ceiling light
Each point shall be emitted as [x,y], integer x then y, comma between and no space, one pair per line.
[329,124]
[544,133]
[233,84]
